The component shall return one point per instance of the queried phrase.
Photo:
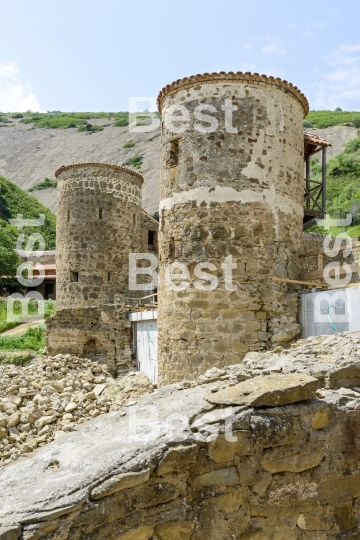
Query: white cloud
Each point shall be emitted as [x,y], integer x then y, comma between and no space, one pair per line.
[274,48]
[14,95]
[340,85]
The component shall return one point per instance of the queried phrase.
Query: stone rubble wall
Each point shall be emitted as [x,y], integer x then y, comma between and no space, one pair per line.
[101,333]
[290,472]
[238,194]
[91,246]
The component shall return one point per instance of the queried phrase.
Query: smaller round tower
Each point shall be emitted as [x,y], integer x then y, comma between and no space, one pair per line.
[98,225]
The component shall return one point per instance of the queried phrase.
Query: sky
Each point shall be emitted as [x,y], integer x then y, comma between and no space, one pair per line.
[93,55]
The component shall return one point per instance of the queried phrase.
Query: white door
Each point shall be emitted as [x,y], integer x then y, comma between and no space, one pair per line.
[146,348]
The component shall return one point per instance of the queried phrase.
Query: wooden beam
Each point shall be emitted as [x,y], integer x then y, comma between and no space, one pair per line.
[299,282]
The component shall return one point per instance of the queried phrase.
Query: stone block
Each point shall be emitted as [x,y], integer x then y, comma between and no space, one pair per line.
[10,533]
[219,477]
[339,489]
[118,483]
[345,517]
[320,421]
[144,532]
[296,463]
[222,451]
[310,522]
[178,458]
[229,502]
[181,530]
[271,391]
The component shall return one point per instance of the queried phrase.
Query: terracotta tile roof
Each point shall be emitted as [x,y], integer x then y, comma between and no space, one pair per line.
[313,143]
[314,139]
[239,76]
[106,165]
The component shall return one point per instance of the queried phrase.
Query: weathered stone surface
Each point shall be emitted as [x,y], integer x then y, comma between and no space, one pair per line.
[221,450]
[272,391]
[219,477]
[296,463]
[339,489]
[10,533]
[320,421]
[230,502]
[181,530]
[144,532]
[354,534]
[118,483]
[309,522]
[177,458]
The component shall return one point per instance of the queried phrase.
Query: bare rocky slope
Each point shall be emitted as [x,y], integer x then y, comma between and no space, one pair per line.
[28,156]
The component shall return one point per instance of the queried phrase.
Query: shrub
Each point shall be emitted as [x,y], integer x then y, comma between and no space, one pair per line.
[307,124]
[356,121]
[135,161]
[122,120]
[46,184]
[33,339]
[90,128]
[17,115]
[129,144]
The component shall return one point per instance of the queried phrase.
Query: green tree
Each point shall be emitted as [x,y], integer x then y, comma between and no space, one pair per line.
[9,260]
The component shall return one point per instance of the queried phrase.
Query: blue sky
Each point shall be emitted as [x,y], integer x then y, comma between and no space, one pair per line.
[92,55]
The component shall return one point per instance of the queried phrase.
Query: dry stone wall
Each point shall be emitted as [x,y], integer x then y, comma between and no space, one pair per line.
[231,192]
[279,461]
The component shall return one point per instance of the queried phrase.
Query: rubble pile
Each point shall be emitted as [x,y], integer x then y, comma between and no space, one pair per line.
[54,395]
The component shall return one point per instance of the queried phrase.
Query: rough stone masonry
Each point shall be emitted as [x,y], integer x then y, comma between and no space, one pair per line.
[234,191]
[155,470]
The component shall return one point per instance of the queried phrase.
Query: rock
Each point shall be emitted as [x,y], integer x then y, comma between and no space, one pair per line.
[10,533]
[296,463]
[98,389]
[230,502]
[119,482]
[219,477]
[310,522]
[8,407]
[221,450]
[271,391]
[180,530]
[3,420]
[320,421]
[144,532]
[339,489]
[45,420]
[58,386]
[3,433]
[178,458]
[71,407]
[14,419]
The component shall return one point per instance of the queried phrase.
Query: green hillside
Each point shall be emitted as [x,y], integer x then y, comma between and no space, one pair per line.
[14,201]
[343,187]
[325,119]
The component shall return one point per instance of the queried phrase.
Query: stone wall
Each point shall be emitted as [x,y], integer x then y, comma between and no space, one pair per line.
[148,223]
[237,194]
[233,456]
[99,333]
[98,225]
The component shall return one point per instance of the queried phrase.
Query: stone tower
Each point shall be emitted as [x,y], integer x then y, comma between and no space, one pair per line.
[98,225]
[231,193]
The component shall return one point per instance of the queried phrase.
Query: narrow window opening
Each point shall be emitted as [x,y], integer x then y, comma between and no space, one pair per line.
[134,219]
[172,154]
[68,215]
[151,238]
[109,276]
[100,213]
[74,276]
[172,248]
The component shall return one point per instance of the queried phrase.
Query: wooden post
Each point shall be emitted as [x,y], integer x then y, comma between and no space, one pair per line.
[324,180]
[308,173]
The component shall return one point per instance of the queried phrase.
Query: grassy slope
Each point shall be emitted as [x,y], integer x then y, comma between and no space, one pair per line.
[325,119]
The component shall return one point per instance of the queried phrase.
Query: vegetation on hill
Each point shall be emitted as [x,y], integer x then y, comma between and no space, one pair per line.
[33,339]
[45,184]
[134,161]
[325,119]
[49,310]
[90,128]
[343,187]
[14,201]
[64,120]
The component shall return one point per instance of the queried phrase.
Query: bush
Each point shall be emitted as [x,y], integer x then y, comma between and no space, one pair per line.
[17,115]
[129,144]
[356,121]
[46,184]
[9,260]
[33,339]
[122,120]
[306,124]
[90,128]
[135,161]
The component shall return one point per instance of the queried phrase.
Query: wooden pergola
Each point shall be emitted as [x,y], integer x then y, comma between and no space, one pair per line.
[314,190]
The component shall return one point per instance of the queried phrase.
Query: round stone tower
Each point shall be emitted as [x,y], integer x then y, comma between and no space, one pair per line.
[98,225]
[232,174]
